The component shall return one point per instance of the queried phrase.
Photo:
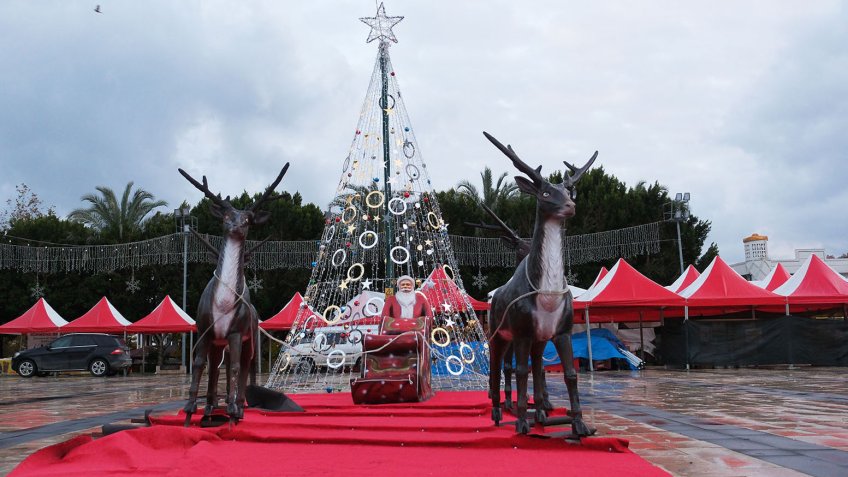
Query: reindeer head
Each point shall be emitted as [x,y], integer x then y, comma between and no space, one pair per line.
[553,200]
[237,222]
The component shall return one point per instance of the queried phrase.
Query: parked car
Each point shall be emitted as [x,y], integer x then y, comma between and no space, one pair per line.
[100,354]
[332,347]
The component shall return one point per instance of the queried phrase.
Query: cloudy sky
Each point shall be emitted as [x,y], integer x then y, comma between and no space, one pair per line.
[742,103]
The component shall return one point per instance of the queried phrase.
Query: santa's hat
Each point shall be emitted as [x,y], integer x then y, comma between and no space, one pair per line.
[405,277]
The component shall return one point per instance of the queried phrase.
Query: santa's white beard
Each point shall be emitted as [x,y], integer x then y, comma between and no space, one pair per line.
[406,300]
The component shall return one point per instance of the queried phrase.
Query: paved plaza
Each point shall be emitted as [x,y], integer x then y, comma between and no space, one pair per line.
[734,422]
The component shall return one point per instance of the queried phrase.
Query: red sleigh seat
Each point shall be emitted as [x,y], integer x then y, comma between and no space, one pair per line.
[397,363]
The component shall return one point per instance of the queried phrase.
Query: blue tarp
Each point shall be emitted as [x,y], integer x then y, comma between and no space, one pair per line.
[604,346]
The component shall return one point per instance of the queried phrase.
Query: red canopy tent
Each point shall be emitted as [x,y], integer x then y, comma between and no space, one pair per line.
[683,281]
[166,318]
[441,289]
[814,286]
[284,319]
[625,295]
[101,318]
[776,277]
[40,318]
[720,290]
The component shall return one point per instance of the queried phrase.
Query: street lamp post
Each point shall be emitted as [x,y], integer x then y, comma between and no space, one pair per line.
[183,216]
[678,211]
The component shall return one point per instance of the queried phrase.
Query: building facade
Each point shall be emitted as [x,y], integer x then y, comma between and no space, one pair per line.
[758,264]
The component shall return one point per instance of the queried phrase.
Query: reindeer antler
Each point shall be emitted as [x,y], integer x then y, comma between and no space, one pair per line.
[205,189]
[534,174]
[269,190]
[576,173]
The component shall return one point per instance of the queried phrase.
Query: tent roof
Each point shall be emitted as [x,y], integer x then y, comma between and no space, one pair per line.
[284,319]
[166,318]
[601,274]
[101,318]
[684,280]
[624,286]
[720,286]
[815,283]
[441,289]
[40,318]
[776,277]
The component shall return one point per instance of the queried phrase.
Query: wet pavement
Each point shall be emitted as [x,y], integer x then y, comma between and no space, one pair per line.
[741,422]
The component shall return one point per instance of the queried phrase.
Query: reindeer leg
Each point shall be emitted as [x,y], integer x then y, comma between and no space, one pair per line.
[215,353]
[197,372]
[522,357]
[232,381]
[562,342]
[508,370]
[539,386]
[247,358]
[497,347]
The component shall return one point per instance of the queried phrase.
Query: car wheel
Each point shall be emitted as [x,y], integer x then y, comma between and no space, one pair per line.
[99,367]
[305,366]
[27,368]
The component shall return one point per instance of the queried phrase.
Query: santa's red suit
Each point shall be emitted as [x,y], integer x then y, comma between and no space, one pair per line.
[421,308]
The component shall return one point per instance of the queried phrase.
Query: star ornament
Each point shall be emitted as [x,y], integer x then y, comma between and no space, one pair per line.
[381,26]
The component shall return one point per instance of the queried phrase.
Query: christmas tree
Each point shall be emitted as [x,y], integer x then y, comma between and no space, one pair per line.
[384,222]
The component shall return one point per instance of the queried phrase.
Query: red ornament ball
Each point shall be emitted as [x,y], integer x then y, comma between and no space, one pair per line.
[348,244]
[426,199]
[392,73]
[406,194]
[338,219]
[356,303]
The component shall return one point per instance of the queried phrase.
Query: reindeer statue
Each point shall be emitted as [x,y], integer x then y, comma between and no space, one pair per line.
[225,317]
[535,305]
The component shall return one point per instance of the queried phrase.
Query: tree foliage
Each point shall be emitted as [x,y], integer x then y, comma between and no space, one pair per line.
[119,221]
[25,206]
[603,203]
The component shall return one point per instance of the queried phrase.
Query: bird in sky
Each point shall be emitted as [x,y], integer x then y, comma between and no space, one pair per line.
[97,9]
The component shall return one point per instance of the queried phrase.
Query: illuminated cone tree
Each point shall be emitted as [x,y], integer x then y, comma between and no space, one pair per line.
[384,222]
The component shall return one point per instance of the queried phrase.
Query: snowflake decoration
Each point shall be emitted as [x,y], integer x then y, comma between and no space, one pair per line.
[480,280]
[255,284]
[133,285]
[37,291]
[571,277]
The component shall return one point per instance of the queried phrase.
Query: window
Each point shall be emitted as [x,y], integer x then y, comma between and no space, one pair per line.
[82,340]
[62,342]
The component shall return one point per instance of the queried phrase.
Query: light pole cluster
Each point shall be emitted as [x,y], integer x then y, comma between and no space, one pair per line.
[678,211]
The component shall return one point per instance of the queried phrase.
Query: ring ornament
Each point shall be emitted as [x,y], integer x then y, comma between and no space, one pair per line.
[393,210]
[346,220]
[361,272]
[379,195]
[338,262]
[466,346]
[336,319]
[331,363]
[368,233]
[442,331]
[399,261]
[458,361]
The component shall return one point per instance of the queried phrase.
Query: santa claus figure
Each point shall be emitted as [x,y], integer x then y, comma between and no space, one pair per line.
[407,303]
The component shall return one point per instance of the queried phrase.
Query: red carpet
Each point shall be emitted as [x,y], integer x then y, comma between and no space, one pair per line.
[447,435]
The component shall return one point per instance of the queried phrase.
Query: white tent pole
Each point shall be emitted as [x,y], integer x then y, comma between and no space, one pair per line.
[588,338]
[686,333]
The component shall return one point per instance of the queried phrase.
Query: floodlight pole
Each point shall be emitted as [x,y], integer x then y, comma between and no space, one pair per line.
[182,214]
[678,211]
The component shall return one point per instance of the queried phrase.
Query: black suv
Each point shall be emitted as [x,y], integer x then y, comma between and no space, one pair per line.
[98,353]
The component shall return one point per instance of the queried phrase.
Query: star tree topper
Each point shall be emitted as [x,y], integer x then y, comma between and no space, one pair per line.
[381,26]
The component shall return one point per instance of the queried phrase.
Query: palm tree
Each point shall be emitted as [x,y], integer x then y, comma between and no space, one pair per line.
[113,219]
[493,194]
